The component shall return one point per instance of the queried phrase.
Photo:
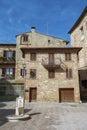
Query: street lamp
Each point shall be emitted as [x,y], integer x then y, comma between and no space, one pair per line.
[24,66]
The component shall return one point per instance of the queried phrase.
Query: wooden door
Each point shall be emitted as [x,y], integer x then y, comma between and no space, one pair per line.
[51,58]
[33,94]
[66,94]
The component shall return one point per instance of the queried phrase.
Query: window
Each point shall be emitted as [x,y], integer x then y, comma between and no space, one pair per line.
[9,54]
[9,72]
[68,73]
[48,41]
[32,73]
[67,56]
[82,37]
[23,72]
[25,38]
[32,56]
[51,74]
[82,31]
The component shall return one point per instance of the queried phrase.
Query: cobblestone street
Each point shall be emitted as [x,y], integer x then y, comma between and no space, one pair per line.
[46,116]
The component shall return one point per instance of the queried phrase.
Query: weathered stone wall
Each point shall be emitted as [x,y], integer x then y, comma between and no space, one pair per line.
[79,40]
[48,89]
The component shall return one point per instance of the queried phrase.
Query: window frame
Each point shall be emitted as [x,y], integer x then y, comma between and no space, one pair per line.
[25,38]
[68,56]
[22,72]
[69,73]
[82,31]
[32,70]
[32,56]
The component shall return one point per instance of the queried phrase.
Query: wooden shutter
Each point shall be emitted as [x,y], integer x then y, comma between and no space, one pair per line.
[67,73]
[13,53]
[13,72]
[70,73]
[4,54]
[3,71]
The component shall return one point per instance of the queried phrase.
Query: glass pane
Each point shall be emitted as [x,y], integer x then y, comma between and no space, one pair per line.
[7,70]
[11,71]
[9,53]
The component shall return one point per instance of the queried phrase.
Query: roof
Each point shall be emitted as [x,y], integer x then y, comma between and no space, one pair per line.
[45,35]
[7,44]
[59,49]
[78,20]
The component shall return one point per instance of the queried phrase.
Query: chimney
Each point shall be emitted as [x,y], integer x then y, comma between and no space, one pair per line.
[32,29]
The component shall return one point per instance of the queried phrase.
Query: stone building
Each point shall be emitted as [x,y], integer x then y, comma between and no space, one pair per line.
[45,68]
[48,67]
[78,35]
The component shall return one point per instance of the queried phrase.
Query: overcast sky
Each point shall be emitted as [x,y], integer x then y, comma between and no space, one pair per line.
[52,17]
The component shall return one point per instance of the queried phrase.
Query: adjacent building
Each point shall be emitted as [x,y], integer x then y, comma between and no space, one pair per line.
[78,35]
[9,87]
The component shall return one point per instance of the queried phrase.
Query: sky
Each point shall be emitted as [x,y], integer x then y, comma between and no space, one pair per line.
[51,17]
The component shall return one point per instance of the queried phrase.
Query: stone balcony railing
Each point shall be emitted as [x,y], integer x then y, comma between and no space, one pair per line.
[53,63]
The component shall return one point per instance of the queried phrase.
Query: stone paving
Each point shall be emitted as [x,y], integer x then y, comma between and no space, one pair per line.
[46,116]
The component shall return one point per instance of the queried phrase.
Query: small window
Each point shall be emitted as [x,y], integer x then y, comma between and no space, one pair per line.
[82,31]
[23,72]
[48,41]
[68,73]
[32,56]
[67,56]
[32,73]
[51,74]
[25,38]
[8,53]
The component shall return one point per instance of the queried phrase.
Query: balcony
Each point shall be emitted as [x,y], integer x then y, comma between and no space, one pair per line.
[7,77]
[7,60]
[53,63]
[11,81]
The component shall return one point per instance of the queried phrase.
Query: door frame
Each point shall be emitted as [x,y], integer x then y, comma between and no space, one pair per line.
[30,93]
[65,89]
